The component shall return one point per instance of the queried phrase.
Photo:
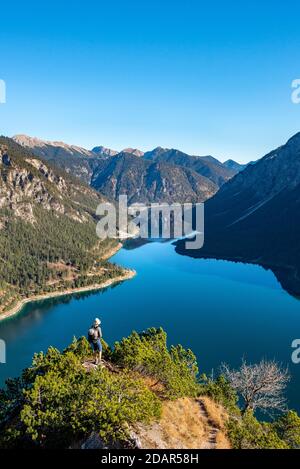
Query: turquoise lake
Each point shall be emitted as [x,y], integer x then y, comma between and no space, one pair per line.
[222,310]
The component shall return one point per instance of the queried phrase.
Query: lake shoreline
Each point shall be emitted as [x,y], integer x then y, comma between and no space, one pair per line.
[127,275]
[112,252]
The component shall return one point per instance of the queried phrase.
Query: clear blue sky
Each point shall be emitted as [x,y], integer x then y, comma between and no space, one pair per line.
[208,77]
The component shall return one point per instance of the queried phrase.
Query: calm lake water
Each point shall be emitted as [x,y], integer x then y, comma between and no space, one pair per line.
[222,310]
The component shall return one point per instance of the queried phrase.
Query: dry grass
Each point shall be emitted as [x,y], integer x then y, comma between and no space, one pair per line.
[216,413]
[181,423]
[184,424]
[180,427]
[222,441]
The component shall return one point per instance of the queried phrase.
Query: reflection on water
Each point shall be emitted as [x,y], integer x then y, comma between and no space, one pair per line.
[288,277]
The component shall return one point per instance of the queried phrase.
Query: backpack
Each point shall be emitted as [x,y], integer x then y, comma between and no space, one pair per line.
[91,334]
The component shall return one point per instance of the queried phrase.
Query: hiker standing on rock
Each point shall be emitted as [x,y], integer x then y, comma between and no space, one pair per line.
[95,336]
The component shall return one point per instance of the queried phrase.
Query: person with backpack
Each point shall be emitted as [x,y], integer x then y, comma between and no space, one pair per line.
[94,337]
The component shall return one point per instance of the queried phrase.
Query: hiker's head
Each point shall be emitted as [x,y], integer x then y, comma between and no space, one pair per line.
[97,322]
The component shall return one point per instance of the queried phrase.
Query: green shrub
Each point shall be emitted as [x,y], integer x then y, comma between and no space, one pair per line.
[288,429]
[248,433]
[148,354]
[61,402]
[10,398]
[221,392]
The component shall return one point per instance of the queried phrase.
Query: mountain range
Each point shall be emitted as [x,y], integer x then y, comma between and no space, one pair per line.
[206,166]
[254,216]
[146,181]
[160,175]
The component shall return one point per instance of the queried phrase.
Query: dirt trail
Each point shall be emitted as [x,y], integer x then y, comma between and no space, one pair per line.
[211,439]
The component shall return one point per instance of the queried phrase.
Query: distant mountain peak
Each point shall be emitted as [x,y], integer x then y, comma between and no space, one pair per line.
[234,165]
[104,151]
[229,162]
[133,151]
[160,149]
[27,141]
[33,142]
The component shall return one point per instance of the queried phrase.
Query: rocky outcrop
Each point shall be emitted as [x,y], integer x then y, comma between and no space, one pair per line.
[27,182]
[76,161]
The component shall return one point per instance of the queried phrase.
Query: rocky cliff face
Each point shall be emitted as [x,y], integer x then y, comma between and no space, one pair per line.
[34,143]
[26,182]
[74,160]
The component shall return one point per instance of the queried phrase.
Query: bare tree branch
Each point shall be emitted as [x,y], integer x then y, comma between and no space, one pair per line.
[260,385]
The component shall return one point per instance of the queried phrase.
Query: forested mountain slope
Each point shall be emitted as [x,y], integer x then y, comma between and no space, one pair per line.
[206,166]
[48,238]
[147,181]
